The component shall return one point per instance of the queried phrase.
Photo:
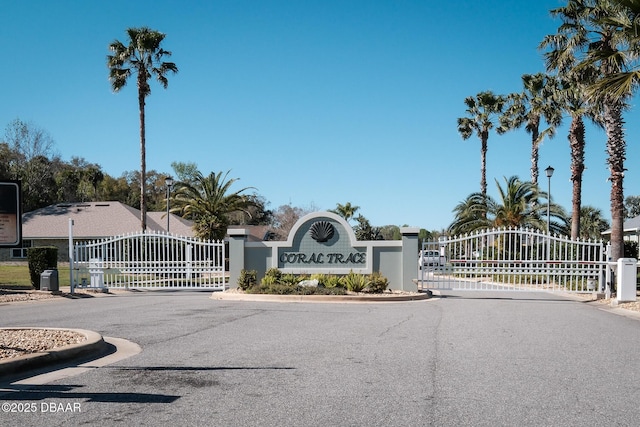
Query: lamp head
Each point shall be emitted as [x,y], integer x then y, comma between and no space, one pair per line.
[549,171]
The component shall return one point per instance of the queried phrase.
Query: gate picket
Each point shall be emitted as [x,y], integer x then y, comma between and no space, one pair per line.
[150,260]
[515,259]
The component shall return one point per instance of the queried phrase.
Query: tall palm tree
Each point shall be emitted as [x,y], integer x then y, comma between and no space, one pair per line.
[347,211]
[207,201]
[519,206]
[535,103]
[143,56]
[571,97]
[483,113]
[591,36]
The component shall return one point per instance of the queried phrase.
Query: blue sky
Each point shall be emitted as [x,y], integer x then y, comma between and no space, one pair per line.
[312,102]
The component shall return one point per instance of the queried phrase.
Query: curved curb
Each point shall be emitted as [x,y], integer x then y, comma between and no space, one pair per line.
[93,344]
[318,298]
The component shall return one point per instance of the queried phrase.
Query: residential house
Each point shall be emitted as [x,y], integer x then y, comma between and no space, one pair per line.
[49,226]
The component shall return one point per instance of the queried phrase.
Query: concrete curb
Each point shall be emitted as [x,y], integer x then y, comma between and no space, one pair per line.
[93,344]
[225,296]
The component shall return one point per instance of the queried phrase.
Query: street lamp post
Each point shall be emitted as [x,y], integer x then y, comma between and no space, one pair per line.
[169,183]
[549,171]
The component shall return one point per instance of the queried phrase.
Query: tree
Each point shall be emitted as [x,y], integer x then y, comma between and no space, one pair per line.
[143,56]
[30,160]
[519,206]
[592,224]
[258,214]
[591,35]
[483,112]
[364,231]
[78,181]
[632,206]
[208,202]
[390,232]
[534,104]
[347,211]
[284,218]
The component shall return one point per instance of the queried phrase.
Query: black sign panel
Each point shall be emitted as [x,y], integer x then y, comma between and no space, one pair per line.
[10,218]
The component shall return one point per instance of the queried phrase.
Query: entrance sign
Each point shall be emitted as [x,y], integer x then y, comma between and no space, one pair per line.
[10,218]
[323,242]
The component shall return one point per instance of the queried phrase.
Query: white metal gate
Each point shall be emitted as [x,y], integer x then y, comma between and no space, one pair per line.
[514,259]
[149,260]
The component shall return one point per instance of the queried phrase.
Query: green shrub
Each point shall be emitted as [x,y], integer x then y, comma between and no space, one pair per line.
[269,280]
[275,273]
[355,282]
[247,279]
[377,283]
[332,281]
[40,259]
[291,279]
[272,288]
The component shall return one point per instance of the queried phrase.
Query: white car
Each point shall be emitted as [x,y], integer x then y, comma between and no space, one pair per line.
[430,258]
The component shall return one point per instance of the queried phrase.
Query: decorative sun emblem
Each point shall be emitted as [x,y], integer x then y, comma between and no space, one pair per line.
[321,231]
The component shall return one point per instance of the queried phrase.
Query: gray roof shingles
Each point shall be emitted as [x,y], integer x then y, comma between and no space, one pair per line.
[95,220]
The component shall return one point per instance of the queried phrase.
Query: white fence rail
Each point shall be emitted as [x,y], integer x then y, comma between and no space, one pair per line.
[149,260]
[515,259]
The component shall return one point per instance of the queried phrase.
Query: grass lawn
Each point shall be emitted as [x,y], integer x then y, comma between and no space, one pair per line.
[18,276]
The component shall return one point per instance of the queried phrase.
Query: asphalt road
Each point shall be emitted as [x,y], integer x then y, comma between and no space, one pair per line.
[476,359]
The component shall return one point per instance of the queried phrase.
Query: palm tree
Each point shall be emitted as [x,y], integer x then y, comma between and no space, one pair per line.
[347,211]
[206,200]
[592,223]
[571,97]
[519,206]
[590,35]
[530,107]
[142,56]
[483,112]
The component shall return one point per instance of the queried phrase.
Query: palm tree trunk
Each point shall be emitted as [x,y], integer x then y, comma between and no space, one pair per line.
[143,165]
[535,152]
[616,149]
[577,144]
[483,163]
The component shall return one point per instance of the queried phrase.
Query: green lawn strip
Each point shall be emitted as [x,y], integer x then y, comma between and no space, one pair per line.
[17,276]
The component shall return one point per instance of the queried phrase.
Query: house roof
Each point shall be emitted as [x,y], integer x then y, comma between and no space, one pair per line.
[95,220]
[630,226]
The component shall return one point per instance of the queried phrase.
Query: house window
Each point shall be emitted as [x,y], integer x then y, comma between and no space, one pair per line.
[21,252]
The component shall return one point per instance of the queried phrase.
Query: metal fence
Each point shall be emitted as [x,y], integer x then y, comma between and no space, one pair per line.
[514,259]
[149,260]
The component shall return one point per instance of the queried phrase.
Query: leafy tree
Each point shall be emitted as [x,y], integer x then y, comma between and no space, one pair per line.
[284,218]
[424,236]
[186,172]
[122,189]
[28,149]
[78,181]
[483,113]
[256,212]
[142,56]
[632,206]
[519,206]
[529,108]
[364,231]
[347,211]
[390,232]
[208,202]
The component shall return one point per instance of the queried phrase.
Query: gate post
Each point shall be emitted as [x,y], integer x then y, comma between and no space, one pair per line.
[237,240]
[409,257]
